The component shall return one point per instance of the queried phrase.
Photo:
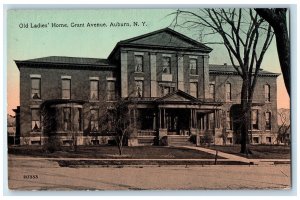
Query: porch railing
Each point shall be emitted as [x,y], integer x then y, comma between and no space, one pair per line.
[146,133]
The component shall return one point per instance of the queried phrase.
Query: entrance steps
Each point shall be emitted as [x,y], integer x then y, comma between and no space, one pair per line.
[179,140]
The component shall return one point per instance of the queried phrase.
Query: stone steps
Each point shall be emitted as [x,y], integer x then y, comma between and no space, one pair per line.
[179,141]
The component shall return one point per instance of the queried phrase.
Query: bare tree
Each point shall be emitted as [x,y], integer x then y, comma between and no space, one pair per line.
[246,37]
[284,126]
[117,120]
[276,17]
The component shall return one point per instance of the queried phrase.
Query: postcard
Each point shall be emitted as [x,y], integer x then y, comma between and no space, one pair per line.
[148,99]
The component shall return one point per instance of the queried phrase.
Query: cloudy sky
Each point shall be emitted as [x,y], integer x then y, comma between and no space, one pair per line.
[27,43]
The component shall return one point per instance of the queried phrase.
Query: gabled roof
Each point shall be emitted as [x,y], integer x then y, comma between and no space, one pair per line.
[177,96]
[229,69]
[165,38]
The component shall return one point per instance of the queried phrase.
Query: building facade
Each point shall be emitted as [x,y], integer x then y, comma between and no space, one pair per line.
[176,96]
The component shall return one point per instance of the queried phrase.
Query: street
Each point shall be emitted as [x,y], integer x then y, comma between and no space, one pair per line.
[46,174]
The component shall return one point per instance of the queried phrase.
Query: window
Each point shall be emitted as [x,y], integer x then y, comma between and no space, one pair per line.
[268,121]
[211,91]
[35,120]
[111,95]
[255,140]
[193,66]
[94,120]
[268,140]
[66,88]
[194,89]
[76,117]
[267,93]
[166,90]
[67,119]
[138,63]
[35,88]
[139,89]
[228,91]
[228,121]
[211,119]
[254,119]
[166,65]
[94,87]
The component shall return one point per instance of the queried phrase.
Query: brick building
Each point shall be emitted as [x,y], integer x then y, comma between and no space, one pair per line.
[177,94]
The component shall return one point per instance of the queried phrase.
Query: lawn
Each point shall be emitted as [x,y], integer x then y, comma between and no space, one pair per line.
[258,151]
[139,152]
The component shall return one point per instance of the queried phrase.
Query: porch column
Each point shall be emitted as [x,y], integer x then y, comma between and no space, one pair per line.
[164,126]
[160,118]
[134,118]
[130,117]
[154,121]
[195,119]
[191,118]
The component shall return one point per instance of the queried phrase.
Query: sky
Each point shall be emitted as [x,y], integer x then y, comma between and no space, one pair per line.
[96,42]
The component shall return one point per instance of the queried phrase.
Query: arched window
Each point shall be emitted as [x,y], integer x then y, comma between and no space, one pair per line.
[267,93]
[228,91]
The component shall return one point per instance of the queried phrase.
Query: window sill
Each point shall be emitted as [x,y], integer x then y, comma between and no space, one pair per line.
[36,99]
[195,75]
[139,72]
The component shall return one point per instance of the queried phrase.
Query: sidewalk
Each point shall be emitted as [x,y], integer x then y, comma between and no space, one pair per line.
[232,157]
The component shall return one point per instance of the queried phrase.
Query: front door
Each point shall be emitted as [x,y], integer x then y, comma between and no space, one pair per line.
[177,121]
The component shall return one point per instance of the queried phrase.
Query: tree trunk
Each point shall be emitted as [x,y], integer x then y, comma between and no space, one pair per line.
[283,49]
[245,119]
[120,145]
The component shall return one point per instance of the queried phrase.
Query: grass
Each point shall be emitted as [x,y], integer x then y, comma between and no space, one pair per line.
[139,152]
[258,151]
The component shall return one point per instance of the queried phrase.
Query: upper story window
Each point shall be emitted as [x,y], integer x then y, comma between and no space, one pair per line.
[254,119]
[166,65]
[111,95]
[268,121]
[228,91]
[35,120]
[212,91]
[139,90]
[66,88]
[94,89]
[193,66]
[267,93]
[194,89]
[36,88]
[138,63]
[166,90]
[94,120]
